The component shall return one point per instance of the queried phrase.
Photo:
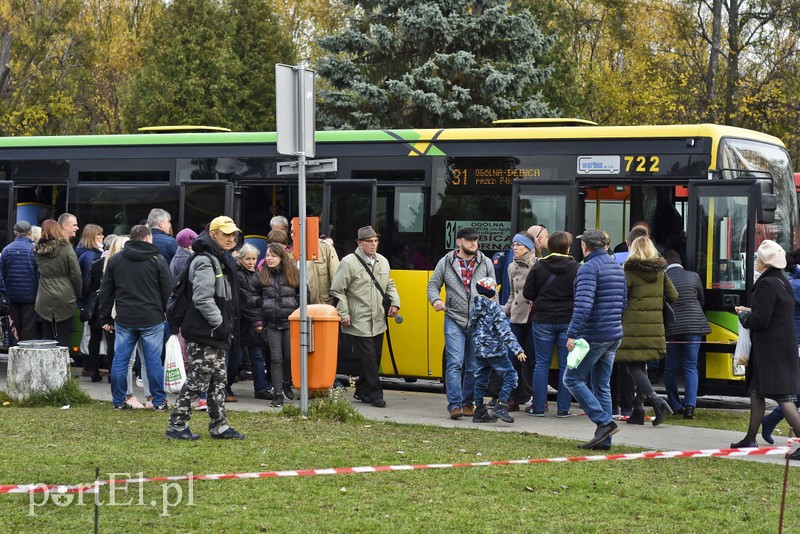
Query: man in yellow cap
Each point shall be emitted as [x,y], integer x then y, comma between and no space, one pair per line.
[208,330]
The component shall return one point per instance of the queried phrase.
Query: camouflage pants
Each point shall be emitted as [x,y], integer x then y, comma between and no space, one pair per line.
[206,373]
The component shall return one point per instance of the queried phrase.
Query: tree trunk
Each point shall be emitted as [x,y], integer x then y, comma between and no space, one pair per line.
[711,111]
[733,62]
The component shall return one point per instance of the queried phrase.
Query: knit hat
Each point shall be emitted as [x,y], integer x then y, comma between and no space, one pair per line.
[185,237]
[522,240]
[771,254]
[486,286]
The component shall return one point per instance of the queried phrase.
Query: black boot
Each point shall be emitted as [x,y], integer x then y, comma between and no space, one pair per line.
[661,407]
[637,416]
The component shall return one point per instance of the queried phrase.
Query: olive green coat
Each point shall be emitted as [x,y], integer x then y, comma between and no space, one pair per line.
[643,321]
[59,279]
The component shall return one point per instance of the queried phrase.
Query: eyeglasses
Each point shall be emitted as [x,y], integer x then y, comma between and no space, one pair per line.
[543,228]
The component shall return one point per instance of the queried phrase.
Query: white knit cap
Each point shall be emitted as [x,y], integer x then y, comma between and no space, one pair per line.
[771,254]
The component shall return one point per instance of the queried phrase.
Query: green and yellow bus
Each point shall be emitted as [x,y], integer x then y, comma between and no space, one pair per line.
[699,187]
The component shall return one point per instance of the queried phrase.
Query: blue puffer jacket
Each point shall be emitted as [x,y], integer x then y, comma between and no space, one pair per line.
[601,296]
[491,330]
[794,280]
[86,257]
[20,271]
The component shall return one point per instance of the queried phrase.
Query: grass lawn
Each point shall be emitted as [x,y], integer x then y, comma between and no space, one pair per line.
[64,446]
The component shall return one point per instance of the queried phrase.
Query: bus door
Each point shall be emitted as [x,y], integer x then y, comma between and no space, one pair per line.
[544,203]
[201,201]
[7,219]
[347,205]
[721,249]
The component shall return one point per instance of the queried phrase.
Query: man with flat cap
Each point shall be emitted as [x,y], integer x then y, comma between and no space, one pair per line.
[21,276]
[458,271]
[597,320]
[359,285]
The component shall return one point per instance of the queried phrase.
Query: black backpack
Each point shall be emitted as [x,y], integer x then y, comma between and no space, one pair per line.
[179,299]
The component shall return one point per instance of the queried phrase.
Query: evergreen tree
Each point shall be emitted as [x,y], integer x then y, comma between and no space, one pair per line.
[433,64]
[209,63]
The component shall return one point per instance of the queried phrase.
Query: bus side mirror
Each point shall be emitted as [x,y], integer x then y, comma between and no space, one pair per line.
[766,202]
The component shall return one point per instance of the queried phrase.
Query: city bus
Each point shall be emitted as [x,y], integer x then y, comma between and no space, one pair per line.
[703,189]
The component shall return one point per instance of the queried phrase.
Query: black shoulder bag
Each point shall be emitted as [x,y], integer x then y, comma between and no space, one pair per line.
[387,303]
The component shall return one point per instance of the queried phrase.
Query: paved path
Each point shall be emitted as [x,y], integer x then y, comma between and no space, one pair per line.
[430,409]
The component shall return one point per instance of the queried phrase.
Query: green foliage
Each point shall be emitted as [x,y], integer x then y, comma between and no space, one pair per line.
[332,407]
[404,64]
[208,63]
[70,393]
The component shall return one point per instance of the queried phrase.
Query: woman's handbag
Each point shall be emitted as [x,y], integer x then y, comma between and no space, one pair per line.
[89,310]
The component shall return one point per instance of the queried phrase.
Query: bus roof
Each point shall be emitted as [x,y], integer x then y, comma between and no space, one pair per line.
[713,131]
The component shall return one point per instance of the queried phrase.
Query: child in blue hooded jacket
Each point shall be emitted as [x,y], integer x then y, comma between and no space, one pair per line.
[491,336]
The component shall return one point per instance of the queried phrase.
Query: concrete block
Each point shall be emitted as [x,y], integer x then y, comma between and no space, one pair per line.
[36,370]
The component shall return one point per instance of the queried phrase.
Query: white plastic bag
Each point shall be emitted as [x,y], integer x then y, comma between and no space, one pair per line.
[86,336]
[742,353]
[174,371]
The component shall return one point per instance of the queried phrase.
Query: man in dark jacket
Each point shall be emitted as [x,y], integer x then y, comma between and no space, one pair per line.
[597,319]
[160,223]
[137,283]
[208,329]
[21,276]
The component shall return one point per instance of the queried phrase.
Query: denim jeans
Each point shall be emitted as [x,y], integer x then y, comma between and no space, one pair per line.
[682,356]
[500,365]
[258,367]
[459,357]
[152,338]
[547,337]
[599,361]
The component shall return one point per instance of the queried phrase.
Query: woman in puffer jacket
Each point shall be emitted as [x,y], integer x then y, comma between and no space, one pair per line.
[643,324]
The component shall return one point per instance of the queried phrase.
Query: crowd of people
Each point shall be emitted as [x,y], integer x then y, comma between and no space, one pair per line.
[610,308]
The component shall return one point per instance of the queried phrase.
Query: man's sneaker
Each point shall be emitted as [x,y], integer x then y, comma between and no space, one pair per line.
[795,455]
[201,405]
[562,414]
[277,401]
[186,434]
[529,411]
[139,383]
[482,415]
[600,435]
[264,394]
[161,408]
[288,392]
[513,406]
[228,434]
[501,410]
[124,407]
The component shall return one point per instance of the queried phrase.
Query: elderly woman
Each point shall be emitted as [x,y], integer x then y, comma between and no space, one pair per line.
[773,369]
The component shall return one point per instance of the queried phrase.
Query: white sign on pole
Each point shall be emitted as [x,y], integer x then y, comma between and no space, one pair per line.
[287,109]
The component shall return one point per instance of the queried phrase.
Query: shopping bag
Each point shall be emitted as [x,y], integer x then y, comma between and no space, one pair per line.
[742,353]
[174,371]
[578,352]
[86,336]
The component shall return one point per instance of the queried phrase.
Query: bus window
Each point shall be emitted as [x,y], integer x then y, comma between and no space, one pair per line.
[400,219]
[722,241]
[120,208]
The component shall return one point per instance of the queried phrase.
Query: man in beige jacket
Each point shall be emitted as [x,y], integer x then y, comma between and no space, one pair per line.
[361,306]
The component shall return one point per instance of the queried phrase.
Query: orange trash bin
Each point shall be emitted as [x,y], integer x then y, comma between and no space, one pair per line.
[323,350]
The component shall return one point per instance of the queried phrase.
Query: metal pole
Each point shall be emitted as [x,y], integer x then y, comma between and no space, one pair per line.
[301,193]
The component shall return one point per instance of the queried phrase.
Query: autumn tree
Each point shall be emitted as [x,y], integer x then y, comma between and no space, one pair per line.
[432,64]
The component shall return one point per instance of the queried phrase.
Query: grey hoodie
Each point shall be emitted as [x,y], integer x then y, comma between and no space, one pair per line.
[448,274]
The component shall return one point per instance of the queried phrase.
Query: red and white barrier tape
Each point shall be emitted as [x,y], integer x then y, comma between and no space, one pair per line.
[703,453]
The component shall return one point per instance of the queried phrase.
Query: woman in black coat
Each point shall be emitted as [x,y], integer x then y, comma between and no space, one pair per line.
[773,369]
